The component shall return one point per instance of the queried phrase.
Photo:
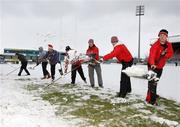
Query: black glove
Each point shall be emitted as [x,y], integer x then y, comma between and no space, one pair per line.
[37,63]
[163,53]
[101,60]
[61,71]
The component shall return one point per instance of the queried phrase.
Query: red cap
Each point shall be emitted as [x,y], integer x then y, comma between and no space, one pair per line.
[163,31]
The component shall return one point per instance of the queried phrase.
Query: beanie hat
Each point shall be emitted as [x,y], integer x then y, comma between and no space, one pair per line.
[41,48]
[91,41]
[50,46]
[114,39]
[68,48]
[163,31]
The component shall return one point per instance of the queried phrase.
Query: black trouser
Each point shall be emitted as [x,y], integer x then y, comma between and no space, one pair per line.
[23,67]
[152,86]
[53,67]
[74,68]
[44,66]
[125,83]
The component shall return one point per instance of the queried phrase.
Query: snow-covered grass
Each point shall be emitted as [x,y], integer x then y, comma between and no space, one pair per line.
[19,108]
[99,107]
[26,102]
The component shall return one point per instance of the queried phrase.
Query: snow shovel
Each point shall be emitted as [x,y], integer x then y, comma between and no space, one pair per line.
[12,71]
[32,68]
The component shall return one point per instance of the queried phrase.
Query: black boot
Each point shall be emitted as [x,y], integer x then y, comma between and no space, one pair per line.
[19,74]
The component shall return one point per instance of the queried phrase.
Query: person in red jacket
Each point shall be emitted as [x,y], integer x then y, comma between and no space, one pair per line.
[160,52]
[123,55]
[93,52]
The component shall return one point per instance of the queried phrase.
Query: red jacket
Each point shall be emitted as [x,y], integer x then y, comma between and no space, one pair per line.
[121,52]
[155,57]
[93,50]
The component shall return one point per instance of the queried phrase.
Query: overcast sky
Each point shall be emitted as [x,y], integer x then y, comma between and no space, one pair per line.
[32,23]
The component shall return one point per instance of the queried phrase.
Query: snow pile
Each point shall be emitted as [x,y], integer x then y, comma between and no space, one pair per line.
[135,71]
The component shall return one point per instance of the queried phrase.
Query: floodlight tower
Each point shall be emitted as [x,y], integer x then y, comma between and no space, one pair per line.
[139,12]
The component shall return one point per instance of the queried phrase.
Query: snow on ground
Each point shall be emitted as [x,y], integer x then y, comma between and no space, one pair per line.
[18,108]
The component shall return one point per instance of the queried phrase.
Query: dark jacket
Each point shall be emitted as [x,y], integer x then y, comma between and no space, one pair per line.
[41,56]
[53,57]
[21,57]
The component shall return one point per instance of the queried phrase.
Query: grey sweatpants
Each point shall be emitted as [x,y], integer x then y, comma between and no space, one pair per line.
[91,69]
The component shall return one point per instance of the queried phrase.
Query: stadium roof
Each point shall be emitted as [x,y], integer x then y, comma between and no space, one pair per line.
[172,39]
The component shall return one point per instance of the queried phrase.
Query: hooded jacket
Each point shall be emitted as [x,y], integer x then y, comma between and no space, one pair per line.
[53,57]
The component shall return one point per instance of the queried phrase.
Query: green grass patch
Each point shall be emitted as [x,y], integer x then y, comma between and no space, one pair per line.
[24,79]
[172,110]
[58,97]
[85,104]
[31,87]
